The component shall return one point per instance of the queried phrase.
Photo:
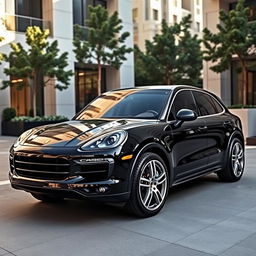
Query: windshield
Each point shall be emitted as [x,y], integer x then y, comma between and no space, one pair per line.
[138,104]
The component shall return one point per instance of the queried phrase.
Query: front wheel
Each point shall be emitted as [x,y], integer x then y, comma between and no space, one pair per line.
[149,186]
[235,163]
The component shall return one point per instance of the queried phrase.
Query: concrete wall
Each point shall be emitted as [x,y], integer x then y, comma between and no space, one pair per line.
[220,84]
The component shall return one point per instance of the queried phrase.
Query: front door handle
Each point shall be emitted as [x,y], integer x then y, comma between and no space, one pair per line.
[202,128]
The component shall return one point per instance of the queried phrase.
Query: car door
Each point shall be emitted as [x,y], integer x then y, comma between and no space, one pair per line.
[189,140]
[218,124]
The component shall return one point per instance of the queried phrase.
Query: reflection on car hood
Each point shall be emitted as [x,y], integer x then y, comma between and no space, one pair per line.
[74,133]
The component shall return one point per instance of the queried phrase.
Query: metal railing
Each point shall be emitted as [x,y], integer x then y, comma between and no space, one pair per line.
[20,23]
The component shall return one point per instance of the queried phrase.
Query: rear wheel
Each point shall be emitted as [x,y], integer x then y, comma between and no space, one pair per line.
[235,163]
[150,186]
[47,198]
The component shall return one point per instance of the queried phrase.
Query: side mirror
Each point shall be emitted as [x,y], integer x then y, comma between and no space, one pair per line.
[186,115]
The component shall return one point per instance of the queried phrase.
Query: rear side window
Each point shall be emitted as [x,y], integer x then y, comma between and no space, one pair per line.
[183,99]
[218,107]
[206,104]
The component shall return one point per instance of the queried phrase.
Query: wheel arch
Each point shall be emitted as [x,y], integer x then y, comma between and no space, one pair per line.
[236,134]
[157,148]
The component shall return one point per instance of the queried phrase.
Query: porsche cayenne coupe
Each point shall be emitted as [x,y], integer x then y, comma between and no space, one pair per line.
[131,146]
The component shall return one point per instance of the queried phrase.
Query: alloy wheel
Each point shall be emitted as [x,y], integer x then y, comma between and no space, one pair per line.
[237,159]
[153,185]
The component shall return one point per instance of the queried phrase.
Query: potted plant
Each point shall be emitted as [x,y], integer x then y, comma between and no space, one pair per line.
[15,126]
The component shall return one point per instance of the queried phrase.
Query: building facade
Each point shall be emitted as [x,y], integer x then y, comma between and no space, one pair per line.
[227,85]
[59,16]
[148,14]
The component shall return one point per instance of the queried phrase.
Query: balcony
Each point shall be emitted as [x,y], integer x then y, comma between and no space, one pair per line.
[20,23]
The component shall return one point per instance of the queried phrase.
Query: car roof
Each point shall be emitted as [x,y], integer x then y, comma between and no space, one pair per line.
[158,87]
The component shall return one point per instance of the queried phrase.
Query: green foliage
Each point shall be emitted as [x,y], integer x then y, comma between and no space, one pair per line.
[237,106]
[39,118]
[40,59]
[8,114]
[236,36]
[105,44]
[173,57]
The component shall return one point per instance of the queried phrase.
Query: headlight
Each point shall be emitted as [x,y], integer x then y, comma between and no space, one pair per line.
[110,140]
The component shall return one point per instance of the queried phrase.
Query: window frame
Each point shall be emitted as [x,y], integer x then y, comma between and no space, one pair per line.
[172,103]
[199,113]
[213,99]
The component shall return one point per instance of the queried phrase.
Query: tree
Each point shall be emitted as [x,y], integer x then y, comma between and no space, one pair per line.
[173,57]
[236,36]
[40,60]
[104,43]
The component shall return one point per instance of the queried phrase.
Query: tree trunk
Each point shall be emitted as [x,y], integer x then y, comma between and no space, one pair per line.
[34,90]
[99,79]
[168,79]
[245,83]
[34,96]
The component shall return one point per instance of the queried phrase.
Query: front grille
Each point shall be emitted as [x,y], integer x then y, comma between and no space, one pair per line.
[41,167]
[93,171]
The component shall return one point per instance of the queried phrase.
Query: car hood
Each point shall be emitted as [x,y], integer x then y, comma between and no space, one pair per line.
[75,133]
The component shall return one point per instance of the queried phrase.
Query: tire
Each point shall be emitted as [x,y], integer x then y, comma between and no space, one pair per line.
[47,198]
[150,186]
[235,162]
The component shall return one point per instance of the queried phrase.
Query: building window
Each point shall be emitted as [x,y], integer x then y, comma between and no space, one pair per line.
[147,8]
[175,3]
[155,14]
[198,27]
[186,5]
[198,2]
[134,14]
[198,11]
[86,86]
[252,8]
[81,12]
[27,13]
[175,18]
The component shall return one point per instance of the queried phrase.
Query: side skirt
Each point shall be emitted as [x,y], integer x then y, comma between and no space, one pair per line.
[192,177]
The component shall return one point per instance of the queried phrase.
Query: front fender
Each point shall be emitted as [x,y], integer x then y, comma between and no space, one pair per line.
[154,147]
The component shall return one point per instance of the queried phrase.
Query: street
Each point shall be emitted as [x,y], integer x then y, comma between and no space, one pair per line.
[203,217]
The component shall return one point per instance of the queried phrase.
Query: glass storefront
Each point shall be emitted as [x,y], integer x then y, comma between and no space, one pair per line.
[20,98]
[86,86]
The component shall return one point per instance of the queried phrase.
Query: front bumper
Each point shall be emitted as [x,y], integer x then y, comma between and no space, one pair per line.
[71,176]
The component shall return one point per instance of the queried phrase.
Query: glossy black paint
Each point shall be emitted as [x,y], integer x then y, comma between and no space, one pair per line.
[189,149]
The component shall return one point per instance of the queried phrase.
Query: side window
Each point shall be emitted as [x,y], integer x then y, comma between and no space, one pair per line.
[205,104]
[183,99]
[218,107]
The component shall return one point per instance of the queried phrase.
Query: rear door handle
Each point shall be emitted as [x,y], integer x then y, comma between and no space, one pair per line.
[227,123]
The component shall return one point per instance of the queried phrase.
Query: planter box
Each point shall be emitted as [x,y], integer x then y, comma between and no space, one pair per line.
[17,128]
[248,118]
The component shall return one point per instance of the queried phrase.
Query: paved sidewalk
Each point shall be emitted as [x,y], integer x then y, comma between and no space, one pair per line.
[202,218]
